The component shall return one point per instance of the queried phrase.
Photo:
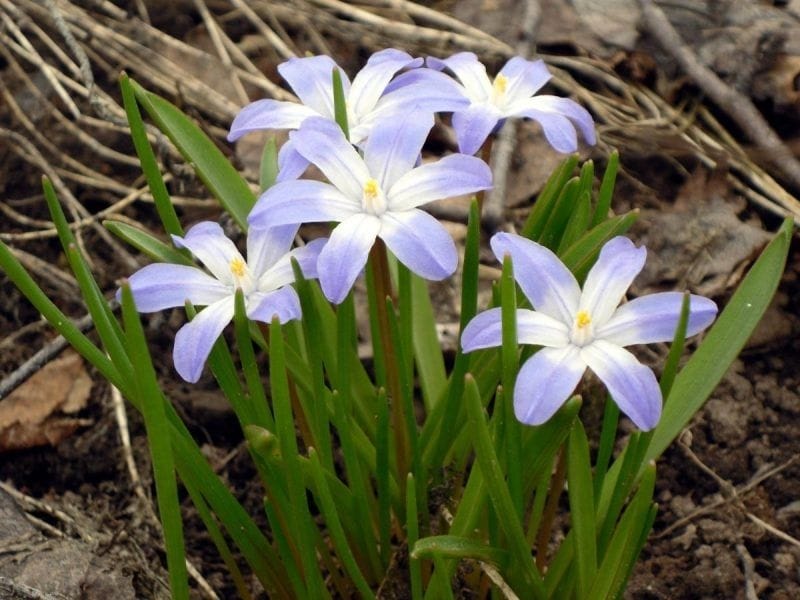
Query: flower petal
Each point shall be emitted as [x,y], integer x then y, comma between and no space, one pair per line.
[473,126]
[452,175]
[654,318]
[420,242]
[282,274]
[194,341]
[266,245]
[610,277]
[322,142]
[426,88]
[212,247]
[545,382]
[311,78]
[632,385]
[159,286]
[544,279]
[345,254]
[301,201]
[524,77]
[394,145]
[469,70]
[282,303]
[371,81]
[268,114]
[535,328]
[559,118]
[291,164]
[558,130]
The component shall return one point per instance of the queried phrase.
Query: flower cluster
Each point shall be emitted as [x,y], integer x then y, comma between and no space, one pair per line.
[376,184]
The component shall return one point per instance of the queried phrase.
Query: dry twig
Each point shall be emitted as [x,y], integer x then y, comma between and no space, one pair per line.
[736,105]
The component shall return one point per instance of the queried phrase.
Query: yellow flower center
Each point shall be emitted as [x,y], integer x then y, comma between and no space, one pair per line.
[238,268]
[371,190]
[373,200]
[582,319]
[500,84]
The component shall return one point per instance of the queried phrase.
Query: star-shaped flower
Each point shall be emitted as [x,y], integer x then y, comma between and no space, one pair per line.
[374,196]
[511,94]
[311,78]
[264,279]
[587,328]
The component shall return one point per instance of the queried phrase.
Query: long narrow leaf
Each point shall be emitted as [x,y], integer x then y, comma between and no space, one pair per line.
[209,163]
[146,243]
[723,342]
[529,576]
[164,206]
[169,509]
[581,507]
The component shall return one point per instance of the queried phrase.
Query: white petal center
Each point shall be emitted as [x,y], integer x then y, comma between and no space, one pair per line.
[373,200]
[582,329]
[241,276]
[499,90]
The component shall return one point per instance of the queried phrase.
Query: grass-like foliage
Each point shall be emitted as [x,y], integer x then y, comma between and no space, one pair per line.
[409,468]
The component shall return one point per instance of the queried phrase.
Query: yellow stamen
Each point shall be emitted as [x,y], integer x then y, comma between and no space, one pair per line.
[238,267]
[582,319]
[371,189]
[500,84]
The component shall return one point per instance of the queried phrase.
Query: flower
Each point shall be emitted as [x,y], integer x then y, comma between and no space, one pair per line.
[510,94]
[580,329]
[373,196]
[311,79]
[264,280]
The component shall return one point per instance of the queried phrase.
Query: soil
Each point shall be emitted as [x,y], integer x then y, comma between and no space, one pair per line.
[728,490]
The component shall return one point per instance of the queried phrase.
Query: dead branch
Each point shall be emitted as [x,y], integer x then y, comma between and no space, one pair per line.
[736,105]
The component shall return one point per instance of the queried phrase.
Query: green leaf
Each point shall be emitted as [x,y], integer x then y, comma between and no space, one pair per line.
[147,244]
[563,209]
[340,103]
[577,224]
[209,163]
[581,507]
[581,255]
[486,458]
[412,536]
[157,427]
[256,399]
[675,350]
[540,213]
[511,443]
[723,342]
[427,351]
[268,169]
[438,432]
[460,548]
[626,538]
[164,206]
[297,509]
[334,525]
[606,190]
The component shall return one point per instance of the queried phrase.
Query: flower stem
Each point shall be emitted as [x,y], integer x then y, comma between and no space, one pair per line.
[556,487]
[379,265]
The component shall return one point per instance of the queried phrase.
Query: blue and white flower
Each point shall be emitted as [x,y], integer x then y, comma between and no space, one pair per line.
[264,279]
[511,94]
[584,328]
[366,98]
[374,196]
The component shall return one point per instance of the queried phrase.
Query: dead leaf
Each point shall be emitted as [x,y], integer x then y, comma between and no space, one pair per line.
[35,414]
[698,243]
